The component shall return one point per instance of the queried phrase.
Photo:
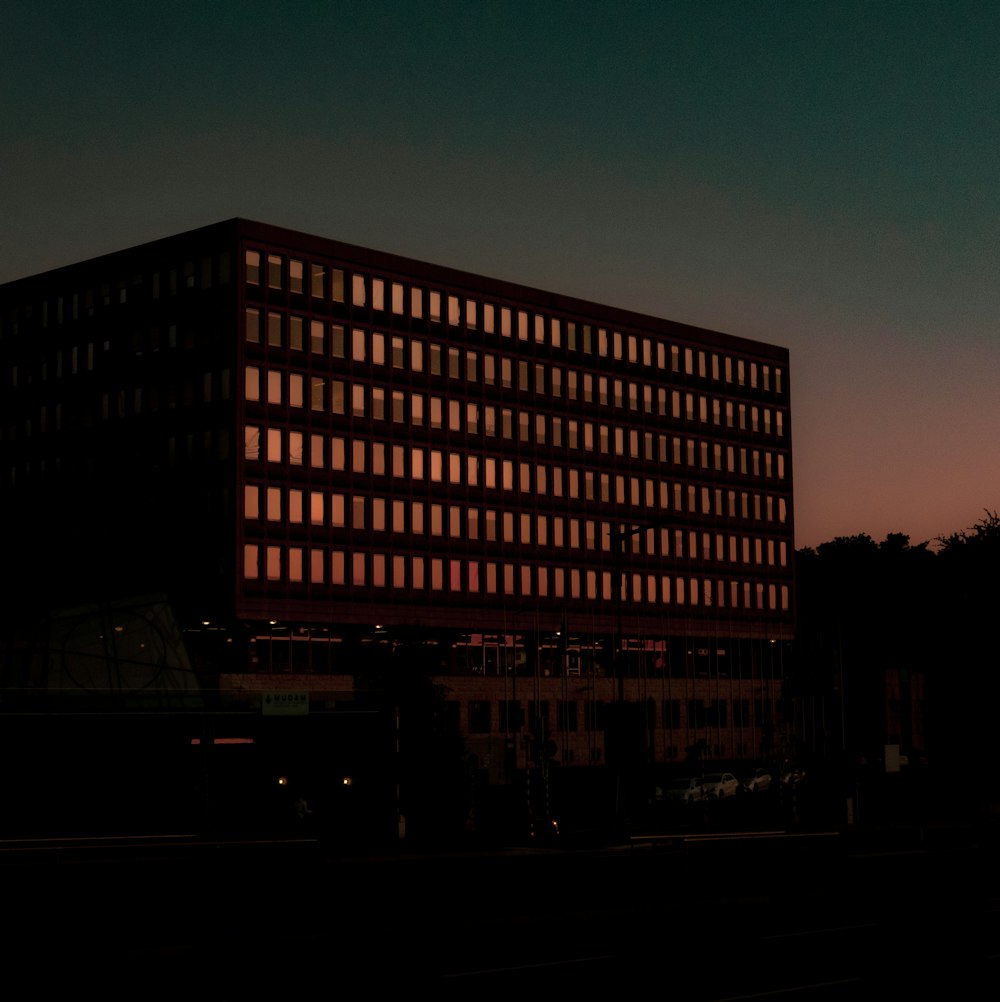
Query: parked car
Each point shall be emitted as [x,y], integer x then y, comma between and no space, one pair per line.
[683,791]
[793,776]
[758,782]
[720,784]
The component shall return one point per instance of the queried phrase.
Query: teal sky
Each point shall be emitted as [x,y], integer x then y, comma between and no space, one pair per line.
[823,176]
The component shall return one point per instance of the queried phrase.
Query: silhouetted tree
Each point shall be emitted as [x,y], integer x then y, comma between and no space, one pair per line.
[926,618]
[965,693]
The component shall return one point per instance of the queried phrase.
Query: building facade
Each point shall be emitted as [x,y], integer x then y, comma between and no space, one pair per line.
[327,457]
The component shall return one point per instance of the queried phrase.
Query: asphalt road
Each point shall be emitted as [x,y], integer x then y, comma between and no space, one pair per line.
[707,919]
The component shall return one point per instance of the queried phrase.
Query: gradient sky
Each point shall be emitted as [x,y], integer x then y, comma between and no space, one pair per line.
[818,175]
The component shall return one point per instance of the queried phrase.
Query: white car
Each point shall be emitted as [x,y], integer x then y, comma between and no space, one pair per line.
[759,781]
[720,784]
[683,791]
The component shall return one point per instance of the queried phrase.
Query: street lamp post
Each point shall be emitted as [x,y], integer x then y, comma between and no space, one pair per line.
[620,719]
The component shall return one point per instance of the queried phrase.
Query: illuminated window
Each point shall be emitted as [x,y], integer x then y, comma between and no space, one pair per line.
[273,387]
[295,555]
[338,342]
[358,400]
[337,511]
[274,271]
[316,508]
[253,273]
[274,330]
[251,502]
[274,445]
[317,563]
[274,563]
[253,326]
[251,559]
[252,383]
[317,285]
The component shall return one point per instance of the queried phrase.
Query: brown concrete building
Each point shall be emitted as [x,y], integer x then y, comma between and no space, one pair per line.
[316,451]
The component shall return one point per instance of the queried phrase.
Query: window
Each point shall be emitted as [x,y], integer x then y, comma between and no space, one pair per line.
[250,561]
[511,715]
[253,275]
[252,383]
[274,445]
[253,326]
[480,717]
[274,563]
[274,271]
[566,715]
[317,283]
[274,330]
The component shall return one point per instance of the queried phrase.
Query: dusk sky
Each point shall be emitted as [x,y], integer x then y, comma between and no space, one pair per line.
[818,175]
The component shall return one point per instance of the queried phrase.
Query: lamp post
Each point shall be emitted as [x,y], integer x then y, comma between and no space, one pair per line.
[618,536]
[620,719]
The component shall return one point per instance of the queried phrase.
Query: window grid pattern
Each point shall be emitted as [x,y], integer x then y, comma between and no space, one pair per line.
[513,448]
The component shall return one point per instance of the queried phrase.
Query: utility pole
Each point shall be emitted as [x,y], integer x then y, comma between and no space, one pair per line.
[618,537]
[620,720]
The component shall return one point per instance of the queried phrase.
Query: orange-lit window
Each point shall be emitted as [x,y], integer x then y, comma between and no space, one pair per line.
[317,564]
[337,567]
[251,561]
[253,268]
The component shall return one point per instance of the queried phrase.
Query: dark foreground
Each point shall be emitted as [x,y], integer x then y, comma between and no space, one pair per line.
[808,915]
